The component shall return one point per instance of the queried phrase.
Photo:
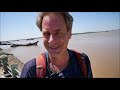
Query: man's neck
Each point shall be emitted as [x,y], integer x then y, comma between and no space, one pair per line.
[60,62]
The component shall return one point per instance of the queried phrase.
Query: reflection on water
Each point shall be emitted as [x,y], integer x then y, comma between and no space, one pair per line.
[102,48]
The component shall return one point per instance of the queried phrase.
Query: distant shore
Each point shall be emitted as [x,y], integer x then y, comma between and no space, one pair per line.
[8,41]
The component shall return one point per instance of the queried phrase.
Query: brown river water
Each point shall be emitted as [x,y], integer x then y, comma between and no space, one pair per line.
[103,49]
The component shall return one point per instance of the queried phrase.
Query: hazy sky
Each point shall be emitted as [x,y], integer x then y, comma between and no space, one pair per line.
[22,25]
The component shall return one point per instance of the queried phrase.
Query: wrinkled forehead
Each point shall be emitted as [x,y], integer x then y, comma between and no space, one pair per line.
[53,20]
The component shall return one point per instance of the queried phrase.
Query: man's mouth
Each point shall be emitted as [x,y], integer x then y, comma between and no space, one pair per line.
[55,49]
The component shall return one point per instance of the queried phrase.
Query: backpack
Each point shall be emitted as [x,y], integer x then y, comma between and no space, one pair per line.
[41,64]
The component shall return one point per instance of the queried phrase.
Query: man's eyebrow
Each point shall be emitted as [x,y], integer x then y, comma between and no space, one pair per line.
[45,31]
[56,31]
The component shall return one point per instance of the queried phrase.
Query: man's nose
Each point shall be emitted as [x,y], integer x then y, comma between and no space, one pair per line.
[52,39]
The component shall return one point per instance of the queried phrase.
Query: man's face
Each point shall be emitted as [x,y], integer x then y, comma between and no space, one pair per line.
[55,34]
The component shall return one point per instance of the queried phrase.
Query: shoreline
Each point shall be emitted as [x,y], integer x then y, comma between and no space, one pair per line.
[11,60]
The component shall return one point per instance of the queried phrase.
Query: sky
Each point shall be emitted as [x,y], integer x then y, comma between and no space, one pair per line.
[22,25]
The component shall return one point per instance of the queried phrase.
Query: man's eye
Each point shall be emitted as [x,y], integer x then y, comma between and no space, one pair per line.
[59,34]
[46,34]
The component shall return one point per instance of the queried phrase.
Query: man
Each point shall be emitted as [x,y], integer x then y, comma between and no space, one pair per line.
[60,62]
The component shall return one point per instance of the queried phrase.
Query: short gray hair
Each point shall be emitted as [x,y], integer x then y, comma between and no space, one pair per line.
[68,19]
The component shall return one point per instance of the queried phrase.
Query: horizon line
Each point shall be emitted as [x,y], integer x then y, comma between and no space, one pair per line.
[72,34]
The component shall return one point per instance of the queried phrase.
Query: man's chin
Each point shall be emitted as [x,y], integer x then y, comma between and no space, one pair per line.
[54,54]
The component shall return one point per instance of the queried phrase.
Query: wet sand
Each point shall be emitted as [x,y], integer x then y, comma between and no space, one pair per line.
[103,49]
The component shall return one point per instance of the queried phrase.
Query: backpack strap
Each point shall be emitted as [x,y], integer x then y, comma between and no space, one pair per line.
[41,66]
[81,60]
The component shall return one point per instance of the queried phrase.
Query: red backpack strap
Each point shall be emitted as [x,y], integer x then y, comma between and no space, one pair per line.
[41,66]
[81,60]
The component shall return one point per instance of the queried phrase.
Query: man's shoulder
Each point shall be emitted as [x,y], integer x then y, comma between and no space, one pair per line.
[76,51]
[30,63]
[29,67]
[79,55]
